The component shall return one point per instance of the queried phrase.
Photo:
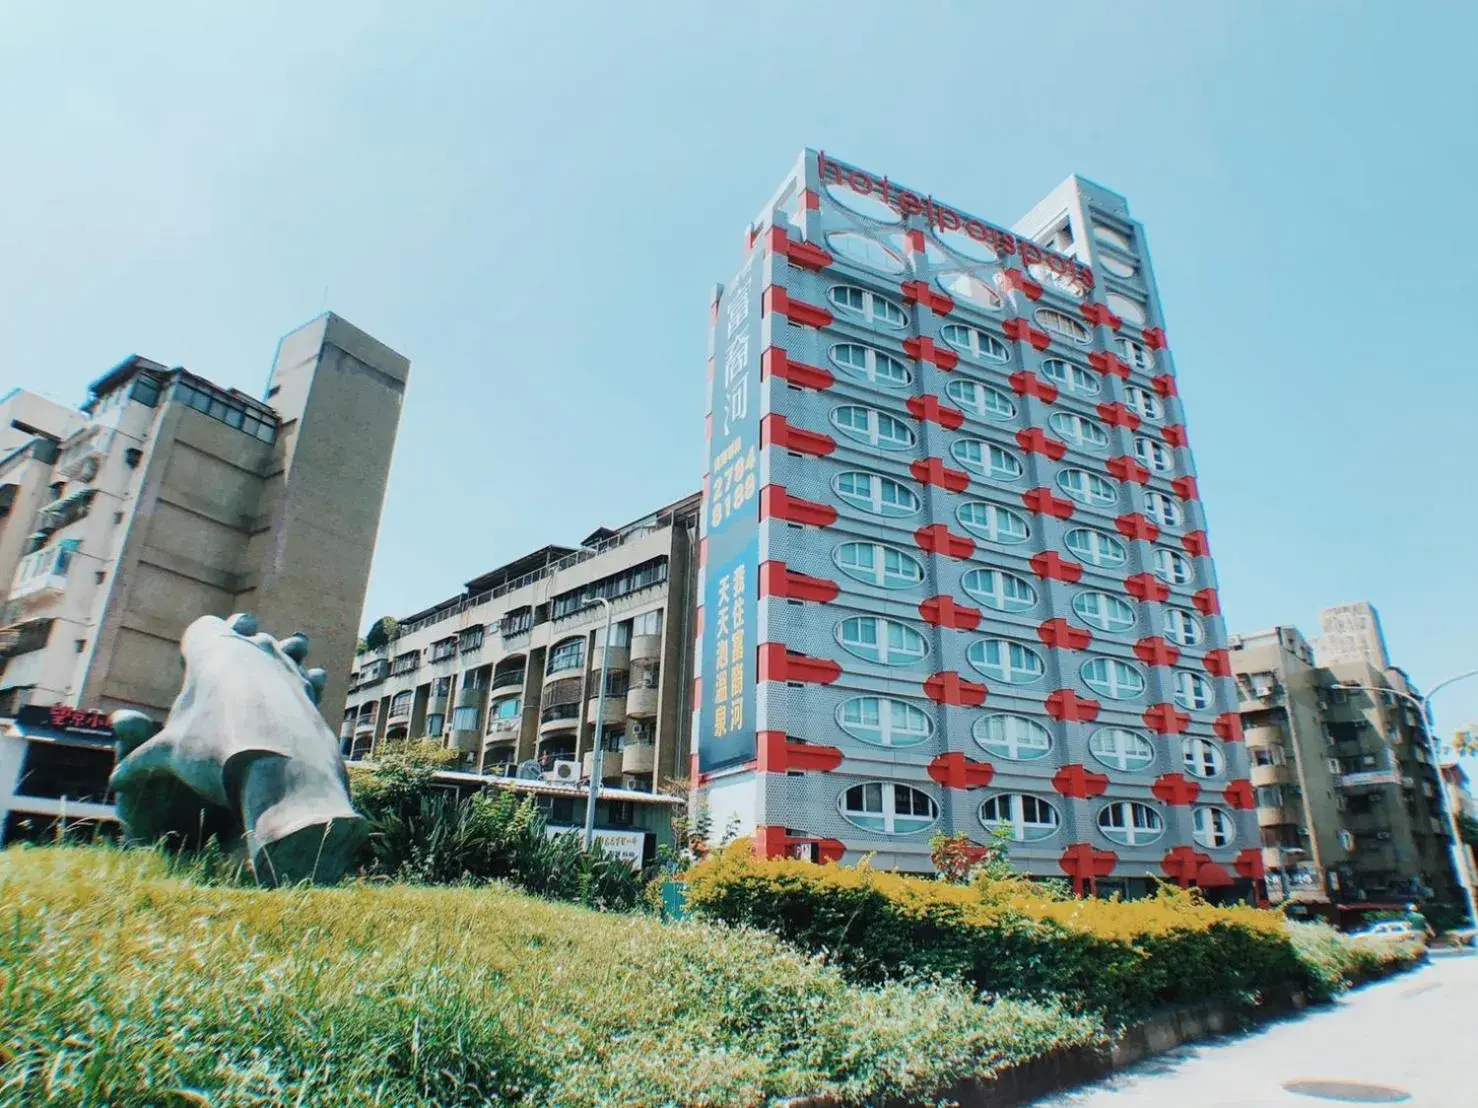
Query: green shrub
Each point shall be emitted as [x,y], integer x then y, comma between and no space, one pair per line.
[1009,937]
[124,985]
[1343,960]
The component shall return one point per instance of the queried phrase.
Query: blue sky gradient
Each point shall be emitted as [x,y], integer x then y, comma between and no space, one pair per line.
[532,202]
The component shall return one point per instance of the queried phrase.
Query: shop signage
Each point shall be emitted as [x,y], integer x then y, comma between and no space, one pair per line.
[629,846]
[59,721]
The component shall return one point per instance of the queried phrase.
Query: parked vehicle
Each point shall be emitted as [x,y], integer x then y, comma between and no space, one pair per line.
[1391,930]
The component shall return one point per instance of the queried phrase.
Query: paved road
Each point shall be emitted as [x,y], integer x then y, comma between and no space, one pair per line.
[1416,1033]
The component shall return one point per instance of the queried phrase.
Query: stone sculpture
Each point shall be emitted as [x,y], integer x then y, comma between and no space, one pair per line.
[244,756]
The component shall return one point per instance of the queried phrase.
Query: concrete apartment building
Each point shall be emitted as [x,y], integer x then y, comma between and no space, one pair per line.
[956,574]
[507,671]
[167,498]
[1346,790]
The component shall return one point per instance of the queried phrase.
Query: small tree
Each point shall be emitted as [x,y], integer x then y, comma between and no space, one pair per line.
[959,859]
[381,633]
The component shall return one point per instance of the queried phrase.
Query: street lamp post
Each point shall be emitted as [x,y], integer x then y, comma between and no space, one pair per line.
[600,726]
[1424,704]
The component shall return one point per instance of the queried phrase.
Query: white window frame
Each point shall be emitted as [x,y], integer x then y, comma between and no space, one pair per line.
[873,435]
[1113,684]
[1006,670]
[998,463]
[1101,542]
[872,358]
[972,283]
[1182,627]
[888,731]
[878,573]
[1156,456]
[978,344]
[1022,829]
[1095,491]
[1144,403]
[1136,354]
[887,653]
[996,594]
[1141,823]
[1202,758]
[1162,509]
[875,504]
[1021,740]
[1104,612]
[976,404]
[1080,431]
[1122,749]
[1205,693]
[992,532]
[889,814]
[1072,378]
[1165,559]
[871,255]
[874,310]
[1063,325]
[1213,827]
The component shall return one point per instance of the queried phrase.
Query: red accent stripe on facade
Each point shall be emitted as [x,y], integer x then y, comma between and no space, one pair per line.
[927,409]
[1218,663]
[923,349]
[1110,365]
[1065,705]
[1249,864]
[1239,794]
[773,842]
[1116,415]
[1053,566]
[1166,719]
[810,201]
[1174,434]
[925,295]
[938,539]
[1060,633]
[778,754]
[776,579]
[807,255]
[1165,385]
[1085,863]
[1195,543]
[775,430]
[1044,503]
[933,471]
[1079,782]
[1013,280]
[950,688]
[1022,331]
[955,771]
[1100,315]
[1155,651]
[776,503]
[1185,488]
[1146,588]
[1154,338]
[776,663]
[777,300]
[946,611]
[1176,790]
[776,362]
[1207,602]
[1137,525]
[703,543]
[1183,864]
[1228,727]
[1034,440]
[1126,468]
[1029,384]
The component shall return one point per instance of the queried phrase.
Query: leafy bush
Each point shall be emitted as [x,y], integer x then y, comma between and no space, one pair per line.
[128,986]
[1343,960]
[1008,936]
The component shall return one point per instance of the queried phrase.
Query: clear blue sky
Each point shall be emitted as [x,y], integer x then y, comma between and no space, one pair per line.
[532,202]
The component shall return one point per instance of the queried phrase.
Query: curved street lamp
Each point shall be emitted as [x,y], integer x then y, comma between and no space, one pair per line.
[1424,705]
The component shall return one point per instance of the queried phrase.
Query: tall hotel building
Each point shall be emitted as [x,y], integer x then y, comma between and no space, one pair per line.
[955,569]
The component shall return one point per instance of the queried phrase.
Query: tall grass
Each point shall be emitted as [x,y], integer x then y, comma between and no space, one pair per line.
[126,983]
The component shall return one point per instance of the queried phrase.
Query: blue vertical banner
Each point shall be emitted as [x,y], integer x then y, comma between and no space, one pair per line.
[726,732]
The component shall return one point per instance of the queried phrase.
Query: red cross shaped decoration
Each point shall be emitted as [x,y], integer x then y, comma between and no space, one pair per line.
[1053,566]
[1137,525]
[945,611]
[1079,782]
[1176,790]
[1059,633]
[949,687]
[955,771]
[937,539]
[922,349]
[1110,365]
[932,471]
[1166,719]
[927,409]
[1065,705]
[1035,441]
[1022,331]
[1029,384]
[1044,503]
[1155,651]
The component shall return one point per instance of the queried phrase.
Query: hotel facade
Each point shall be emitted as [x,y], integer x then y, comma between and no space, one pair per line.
[955,571]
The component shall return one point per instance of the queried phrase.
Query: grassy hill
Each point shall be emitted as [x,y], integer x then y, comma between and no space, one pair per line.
[125,981]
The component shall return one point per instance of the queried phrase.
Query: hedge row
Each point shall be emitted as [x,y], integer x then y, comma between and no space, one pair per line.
[1125,959]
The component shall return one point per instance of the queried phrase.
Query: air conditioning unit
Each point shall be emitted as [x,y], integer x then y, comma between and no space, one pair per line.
[565,770]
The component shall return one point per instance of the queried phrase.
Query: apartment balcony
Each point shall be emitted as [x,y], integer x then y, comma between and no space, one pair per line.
[645,648]
[504,727]
[499,759]
[616,658]
[1277,817]
[1272,775]
[639,758]
[365,726]
[610,765]
[1264,736]
[509,679]
[641,701]
[559,719]
[615,710]
[38,590]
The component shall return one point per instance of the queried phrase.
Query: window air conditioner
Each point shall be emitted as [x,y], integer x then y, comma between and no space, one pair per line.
[565,770]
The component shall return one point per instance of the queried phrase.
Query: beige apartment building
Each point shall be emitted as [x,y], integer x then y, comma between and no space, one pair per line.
[508,671]
[168,497]
[1347,795]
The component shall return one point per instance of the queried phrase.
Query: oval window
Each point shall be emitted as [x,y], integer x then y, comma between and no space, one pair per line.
[987,459]
[1015,738]
[993,523]
[1007,662]
[965,245]
[1192,691]
[1173,566]
[1061,280]
[981,400]
[1095,547]
[1182,627]
[1136,355]
[1104,612]
[1156,456]
[966,288]
[872,563]
[1070,378]
[884,721]
[1116,265]
[864,251]
[1113,679]
[1213,827]
[875,494]
[1112,236]
[1144,404]
[867,306]
[995,588]
[1130,823]
[1026,818]
[885,641]
[1162,509]
[1203,758]
[870,426]
[976,343]
[864,204]
[1121,749]
[1087,488]
[864,363]
[1079,431]
[888,808]
[1125,308]
[1064,325]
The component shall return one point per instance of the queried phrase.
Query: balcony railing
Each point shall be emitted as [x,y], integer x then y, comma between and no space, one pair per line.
[508,680]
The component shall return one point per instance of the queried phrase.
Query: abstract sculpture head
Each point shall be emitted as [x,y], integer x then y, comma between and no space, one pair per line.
[244,756]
